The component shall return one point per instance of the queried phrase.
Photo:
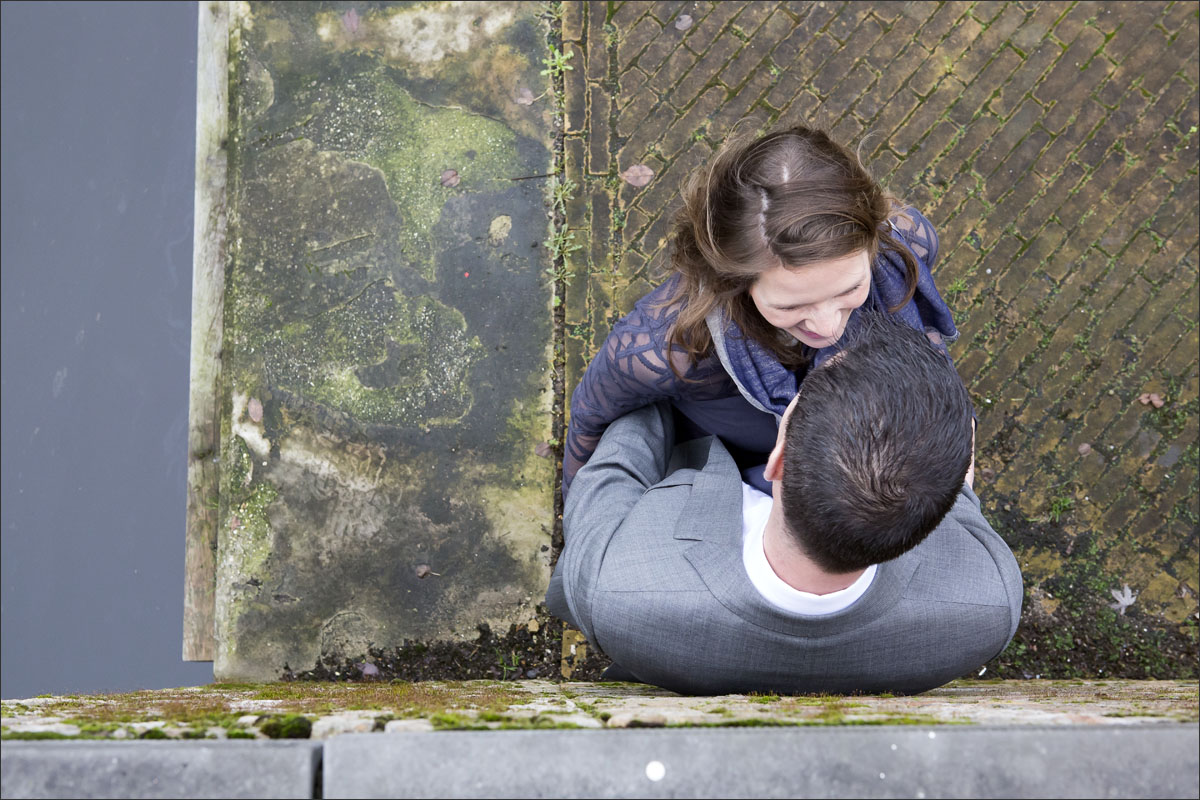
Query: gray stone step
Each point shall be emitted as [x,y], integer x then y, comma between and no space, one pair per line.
[770,762]
[225,769]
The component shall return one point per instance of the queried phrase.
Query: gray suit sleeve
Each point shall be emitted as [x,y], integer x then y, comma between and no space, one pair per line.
[1006,563]
[632,456]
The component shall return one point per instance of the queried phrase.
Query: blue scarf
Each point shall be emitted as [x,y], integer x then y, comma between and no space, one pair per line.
[771,386]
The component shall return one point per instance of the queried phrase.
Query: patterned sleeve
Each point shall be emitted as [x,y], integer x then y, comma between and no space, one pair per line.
[630,371]
[927,311]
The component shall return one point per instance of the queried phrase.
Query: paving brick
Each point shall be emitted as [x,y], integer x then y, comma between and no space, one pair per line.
[1127,37]
[597,43]
[920,11]
[736,107]
[926,115]
[824,76]
[847,21]
[898,38]
[983,86]
[671,70]
[1032,34]
[599,103]
[1150,48]
[695,119]
[659,49]
[701,35]
[1071,91]
[1024,78]
[705,70]
[634,115]
[737,70]
[893,115]
[984,48]
[573,21]
[665,11]
[857,82]
[627,14]
[631,43]
[947,18]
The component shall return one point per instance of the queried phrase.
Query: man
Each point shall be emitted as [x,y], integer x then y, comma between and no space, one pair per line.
[870,568]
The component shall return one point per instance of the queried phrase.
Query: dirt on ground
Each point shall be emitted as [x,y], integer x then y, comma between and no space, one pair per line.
[520,653]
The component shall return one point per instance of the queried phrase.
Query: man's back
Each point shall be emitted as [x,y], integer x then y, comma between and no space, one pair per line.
[652,573]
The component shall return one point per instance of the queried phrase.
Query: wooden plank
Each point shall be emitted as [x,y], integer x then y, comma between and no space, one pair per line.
[208,284]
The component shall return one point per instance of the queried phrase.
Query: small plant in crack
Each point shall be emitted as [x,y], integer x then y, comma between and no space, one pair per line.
[556,62]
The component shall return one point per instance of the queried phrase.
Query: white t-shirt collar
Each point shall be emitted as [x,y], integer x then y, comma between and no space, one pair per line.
[756,507]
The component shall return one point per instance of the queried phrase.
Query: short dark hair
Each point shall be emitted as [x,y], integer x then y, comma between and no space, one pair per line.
[876,449]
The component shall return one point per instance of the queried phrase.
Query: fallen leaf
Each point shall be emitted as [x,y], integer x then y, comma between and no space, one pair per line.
[1156,400]
[638,175]
[524,97]
[1084,449]
[683,22]
[450,177]
[1124,599]
[255,409]
[544,450]
[350,21]
[424,571]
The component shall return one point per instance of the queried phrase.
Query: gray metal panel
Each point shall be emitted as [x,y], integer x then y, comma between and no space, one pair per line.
[796,762]
[158,769]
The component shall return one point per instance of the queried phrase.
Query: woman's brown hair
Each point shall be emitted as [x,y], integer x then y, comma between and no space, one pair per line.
[790,198]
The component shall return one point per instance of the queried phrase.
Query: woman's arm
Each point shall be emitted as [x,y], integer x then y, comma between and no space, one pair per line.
[631,370]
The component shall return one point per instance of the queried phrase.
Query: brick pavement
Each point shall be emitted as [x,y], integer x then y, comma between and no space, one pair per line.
[1053,145]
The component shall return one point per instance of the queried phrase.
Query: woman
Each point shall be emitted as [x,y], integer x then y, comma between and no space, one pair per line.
[781,241]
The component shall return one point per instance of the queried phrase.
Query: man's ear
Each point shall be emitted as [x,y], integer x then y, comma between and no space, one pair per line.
[773,471]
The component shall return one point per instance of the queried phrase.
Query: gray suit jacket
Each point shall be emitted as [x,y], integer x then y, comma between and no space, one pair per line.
[652,574]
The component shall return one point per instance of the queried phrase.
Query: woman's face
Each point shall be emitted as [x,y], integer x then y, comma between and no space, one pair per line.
[813,302]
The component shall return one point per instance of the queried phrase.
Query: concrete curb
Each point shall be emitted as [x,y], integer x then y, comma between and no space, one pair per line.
[846,761]
[228,769]
[791,762]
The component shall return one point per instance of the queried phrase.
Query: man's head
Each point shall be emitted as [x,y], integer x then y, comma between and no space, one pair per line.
[874,448]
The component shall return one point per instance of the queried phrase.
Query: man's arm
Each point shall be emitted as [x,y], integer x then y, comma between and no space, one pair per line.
[631,457]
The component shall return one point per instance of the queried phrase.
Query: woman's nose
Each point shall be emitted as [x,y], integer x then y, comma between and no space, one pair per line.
[823,323]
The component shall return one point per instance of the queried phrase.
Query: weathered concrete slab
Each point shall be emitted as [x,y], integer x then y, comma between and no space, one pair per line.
[325,710]
[158,769]
[839,762]
[387,330]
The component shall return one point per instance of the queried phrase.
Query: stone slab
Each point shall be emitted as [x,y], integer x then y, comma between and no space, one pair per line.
[385,367]
[839,762]
[158,769]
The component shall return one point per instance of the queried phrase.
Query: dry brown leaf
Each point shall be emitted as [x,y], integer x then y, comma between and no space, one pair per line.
[524,96]
[450,177]
[638,175]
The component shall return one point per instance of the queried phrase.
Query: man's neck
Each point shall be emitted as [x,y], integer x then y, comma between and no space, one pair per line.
[794,567]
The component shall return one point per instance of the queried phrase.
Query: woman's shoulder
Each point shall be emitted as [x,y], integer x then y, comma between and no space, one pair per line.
[917,233]
[658,308]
